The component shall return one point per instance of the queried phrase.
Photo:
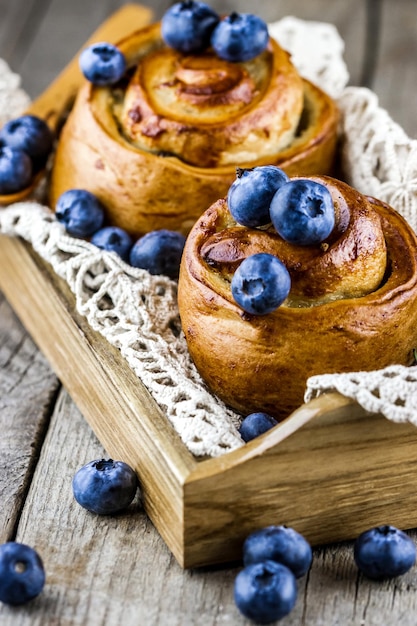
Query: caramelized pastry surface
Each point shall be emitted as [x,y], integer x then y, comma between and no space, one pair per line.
[163,144]
[352,304]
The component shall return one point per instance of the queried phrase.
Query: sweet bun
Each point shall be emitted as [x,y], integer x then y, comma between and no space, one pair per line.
[163,143]
[352,304]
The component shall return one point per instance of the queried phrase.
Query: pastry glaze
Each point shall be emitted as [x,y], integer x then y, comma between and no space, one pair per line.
[352,305]
[162,145]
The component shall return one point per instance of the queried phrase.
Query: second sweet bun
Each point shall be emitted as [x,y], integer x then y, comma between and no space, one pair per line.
[163,144]
[352,304]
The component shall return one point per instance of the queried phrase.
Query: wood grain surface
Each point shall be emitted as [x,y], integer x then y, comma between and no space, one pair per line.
[118,570]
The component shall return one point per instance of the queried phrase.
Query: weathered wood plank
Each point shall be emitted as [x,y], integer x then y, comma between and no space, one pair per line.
[104,570]
[116,570]
[64,29]
[396,72]
[27,389]
[17,20]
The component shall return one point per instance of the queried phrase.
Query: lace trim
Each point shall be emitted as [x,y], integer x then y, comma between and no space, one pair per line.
[316,50]
[391,391]
[137,312]
[13,100]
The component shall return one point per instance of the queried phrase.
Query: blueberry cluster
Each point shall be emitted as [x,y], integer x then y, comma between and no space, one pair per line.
[273,557]
[191,27]
[302,213]
[83,215]
[25,144]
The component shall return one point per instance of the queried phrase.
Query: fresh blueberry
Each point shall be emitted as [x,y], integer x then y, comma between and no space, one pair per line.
[250,195]
[260,284]
[302,212]
[15,170]
[113,239]
[22,575]
[159,252]
[384,552]
[187,26]
[281,544]
[30,134]
[265,592]
[80,211]
[240,37]
[105,486]
[102,64]
[256,424]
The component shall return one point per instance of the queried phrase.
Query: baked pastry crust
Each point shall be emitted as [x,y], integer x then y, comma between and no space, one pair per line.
[352,306]
[160,147]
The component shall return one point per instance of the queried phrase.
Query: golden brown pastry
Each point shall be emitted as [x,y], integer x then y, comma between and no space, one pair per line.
[160,146]
[352,304]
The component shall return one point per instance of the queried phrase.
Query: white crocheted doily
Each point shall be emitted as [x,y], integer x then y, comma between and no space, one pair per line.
[137,312]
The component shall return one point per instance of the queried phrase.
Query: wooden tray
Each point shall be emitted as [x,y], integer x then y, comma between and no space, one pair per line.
[330,470]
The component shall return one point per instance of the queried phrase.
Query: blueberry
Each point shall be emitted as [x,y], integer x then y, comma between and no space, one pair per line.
[265,592]
[302,212]
[256,424]
[22,575]
[105,486]
[113,239]
[102,64]
[281,544]
[80,211]
[15,170]
[187,26]
[260,284]
[250,195]
[30,134]
[384,552]
[159,252]
[240,37]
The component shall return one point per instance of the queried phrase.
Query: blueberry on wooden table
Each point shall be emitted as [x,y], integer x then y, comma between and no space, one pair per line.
[102,64]
[384,552]
[250,195]
[15,170]
[240,37]
[187,26]
[281,544]
[22,575]
[256,424]
[105,486]
[260,284]
[80,211]
[265,592]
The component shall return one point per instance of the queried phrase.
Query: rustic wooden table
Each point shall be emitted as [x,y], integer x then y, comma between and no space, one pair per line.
[117,570]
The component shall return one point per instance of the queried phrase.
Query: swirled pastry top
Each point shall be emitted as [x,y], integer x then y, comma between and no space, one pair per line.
[352,303]
[207,111]
[351,263]
[162,145]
